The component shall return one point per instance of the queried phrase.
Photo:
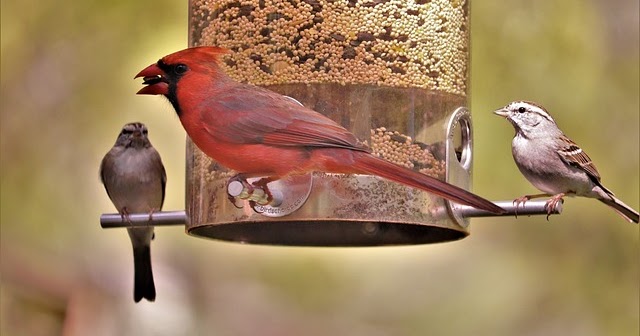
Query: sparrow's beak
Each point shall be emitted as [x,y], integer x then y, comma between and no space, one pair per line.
[156,83]
[503,112]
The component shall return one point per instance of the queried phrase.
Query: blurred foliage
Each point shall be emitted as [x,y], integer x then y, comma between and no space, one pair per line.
[67,88]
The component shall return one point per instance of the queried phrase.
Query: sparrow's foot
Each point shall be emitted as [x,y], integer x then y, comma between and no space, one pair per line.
[522,200]
[552,203]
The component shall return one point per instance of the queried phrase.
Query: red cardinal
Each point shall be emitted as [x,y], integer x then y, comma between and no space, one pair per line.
[257,132]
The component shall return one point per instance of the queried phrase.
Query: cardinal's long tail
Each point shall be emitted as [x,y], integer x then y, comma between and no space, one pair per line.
[622,209]
[366,163]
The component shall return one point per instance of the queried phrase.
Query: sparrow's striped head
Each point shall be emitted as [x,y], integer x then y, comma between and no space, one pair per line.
[526,116]
[133,135]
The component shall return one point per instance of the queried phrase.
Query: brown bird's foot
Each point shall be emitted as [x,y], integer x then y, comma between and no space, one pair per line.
[151,220]
[124,214]
[553,203]
[151,211]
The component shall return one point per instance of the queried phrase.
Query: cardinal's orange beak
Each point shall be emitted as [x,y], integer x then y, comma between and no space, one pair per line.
[156,83]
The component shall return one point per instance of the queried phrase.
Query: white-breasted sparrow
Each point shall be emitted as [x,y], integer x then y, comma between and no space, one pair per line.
[134,177]
[552,162]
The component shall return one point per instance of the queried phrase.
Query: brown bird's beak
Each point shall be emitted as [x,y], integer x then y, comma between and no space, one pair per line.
[503,112]
[156,83]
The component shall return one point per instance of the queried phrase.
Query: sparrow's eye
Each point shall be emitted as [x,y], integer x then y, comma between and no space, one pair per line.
[180,69]
[522,109]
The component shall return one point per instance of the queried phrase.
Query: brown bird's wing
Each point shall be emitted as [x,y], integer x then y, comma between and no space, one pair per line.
[264,117]
[163,174]
[102,174]
[574,156]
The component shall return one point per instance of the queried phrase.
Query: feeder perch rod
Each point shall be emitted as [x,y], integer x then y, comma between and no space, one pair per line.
[528,209]
[142,219]
[166,218]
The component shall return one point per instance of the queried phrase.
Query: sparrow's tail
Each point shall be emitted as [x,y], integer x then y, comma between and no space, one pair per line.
[366,163]
[143,286]
[622,209]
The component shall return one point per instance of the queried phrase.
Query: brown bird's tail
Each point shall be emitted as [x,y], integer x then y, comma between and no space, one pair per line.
[143,286]
[369,164]
[622,209]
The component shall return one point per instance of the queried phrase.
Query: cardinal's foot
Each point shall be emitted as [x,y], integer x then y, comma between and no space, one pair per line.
[257,193]
[261,184]
[238,188]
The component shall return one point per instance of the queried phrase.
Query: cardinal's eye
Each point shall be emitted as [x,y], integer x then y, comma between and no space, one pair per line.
[522,109]
[180,69]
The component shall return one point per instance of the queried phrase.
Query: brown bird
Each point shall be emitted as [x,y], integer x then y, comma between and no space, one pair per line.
[134,177]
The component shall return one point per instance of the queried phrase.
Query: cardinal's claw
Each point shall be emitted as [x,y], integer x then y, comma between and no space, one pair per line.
[249,192]
[245,185]
[254,205]
[262,184]
[233,201]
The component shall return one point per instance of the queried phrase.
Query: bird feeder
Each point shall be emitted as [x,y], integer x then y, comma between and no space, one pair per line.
[394,73]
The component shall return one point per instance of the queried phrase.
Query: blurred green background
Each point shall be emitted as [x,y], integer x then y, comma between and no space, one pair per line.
[67,88]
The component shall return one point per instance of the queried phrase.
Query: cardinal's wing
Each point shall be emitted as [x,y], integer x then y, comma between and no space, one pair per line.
[245,114]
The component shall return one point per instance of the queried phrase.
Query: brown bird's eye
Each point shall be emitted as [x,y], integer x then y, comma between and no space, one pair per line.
[180,69]
[522,109]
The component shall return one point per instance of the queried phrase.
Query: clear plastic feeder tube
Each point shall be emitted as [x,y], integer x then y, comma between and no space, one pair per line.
[392,72]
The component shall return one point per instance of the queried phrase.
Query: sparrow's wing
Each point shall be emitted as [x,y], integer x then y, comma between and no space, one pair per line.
[163,174]
[102,173]
[574,156]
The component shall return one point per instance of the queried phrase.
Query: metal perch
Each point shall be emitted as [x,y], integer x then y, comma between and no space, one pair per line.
[160,218]
[164,218]
[528,209]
